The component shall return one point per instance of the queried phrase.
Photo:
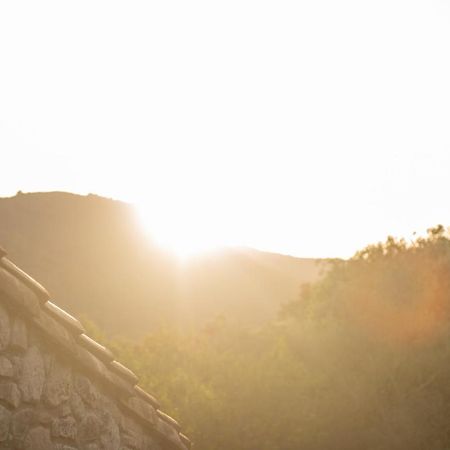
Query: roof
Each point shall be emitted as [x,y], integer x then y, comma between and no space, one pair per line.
[32,300]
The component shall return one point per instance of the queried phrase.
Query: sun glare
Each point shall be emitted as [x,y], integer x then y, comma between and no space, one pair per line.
[179,234]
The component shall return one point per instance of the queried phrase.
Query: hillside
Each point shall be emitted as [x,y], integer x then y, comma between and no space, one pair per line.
[92,255]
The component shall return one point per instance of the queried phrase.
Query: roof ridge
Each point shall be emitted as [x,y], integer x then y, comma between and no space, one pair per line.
[30,297]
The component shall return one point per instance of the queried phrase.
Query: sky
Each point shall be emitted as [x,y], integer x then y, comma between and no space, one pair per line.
[309,128]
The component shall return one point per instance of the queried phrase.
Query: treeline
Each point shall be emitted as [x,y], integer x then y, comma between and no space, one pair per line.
[361,360]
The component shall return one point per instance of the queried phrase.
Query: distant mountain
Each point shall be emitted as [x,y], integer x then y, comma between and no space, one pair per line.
[94,259]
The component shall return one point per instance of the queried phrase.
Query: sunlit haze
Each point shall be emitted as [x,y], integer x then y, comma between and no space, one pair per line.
[310,128]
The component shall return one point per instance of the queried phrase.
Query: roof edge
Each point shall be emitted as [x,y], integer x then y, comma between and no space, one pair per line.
[32,300]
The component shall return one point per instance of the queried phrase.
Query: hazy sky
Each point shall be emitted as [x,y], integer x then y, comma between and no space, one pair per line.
[305,127]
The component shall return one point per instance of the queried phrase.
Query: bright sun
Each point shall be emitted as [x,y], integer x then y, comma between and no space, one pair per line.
[183,235]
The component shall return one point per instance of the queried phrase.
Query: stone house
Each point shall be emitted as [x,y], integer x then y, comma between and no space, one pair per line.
[60,389]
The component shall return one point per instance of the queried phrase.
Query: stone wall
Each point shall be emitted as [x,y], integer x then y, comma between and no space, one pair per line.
[61,390]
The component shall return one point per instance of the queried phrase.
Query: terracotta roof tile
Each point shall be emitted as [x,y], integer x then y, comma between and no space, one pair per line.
[169,420]
[65,318]
[17,293]
[147,397]
[36,287]
[103,353]
[185,441]
[124,372]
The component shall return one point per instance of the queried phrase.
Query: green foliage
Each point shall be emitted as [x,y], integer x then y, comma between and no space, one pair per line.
[360,361]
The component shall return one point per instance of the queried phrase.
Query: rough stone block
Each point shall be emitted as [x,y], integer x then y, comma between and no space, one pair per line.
[64,428]
[9,393]
[131,433]
[22,421]
[6,367]
[5,420]
[89,429]
[108,408]
[59,384]
[110,437]
[17,365]
[38,439]
[91,446]
[77,406]
[19,336]
[86,390]
[150,443]
[130,440]
[5,328]
[43,417]
[31,382]
[63,410]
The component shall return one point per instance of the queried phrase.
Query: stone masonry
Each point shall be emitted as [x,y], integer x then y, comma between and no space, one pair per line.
[60,389]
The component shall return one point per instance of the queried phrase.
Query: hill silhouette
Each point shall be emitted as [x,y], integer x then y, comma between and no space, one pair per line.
[94,258]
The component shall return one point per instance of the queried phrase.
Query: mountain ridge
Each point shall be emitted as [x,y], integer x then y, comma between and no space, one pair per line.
[92,255]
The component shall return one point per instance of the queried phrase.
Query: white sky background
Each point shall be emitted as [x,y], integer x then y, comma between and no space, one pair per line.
[304,127]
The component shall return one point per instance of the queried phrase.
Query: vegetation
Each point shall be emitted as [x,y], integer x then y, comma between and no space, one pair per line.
[361,360]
